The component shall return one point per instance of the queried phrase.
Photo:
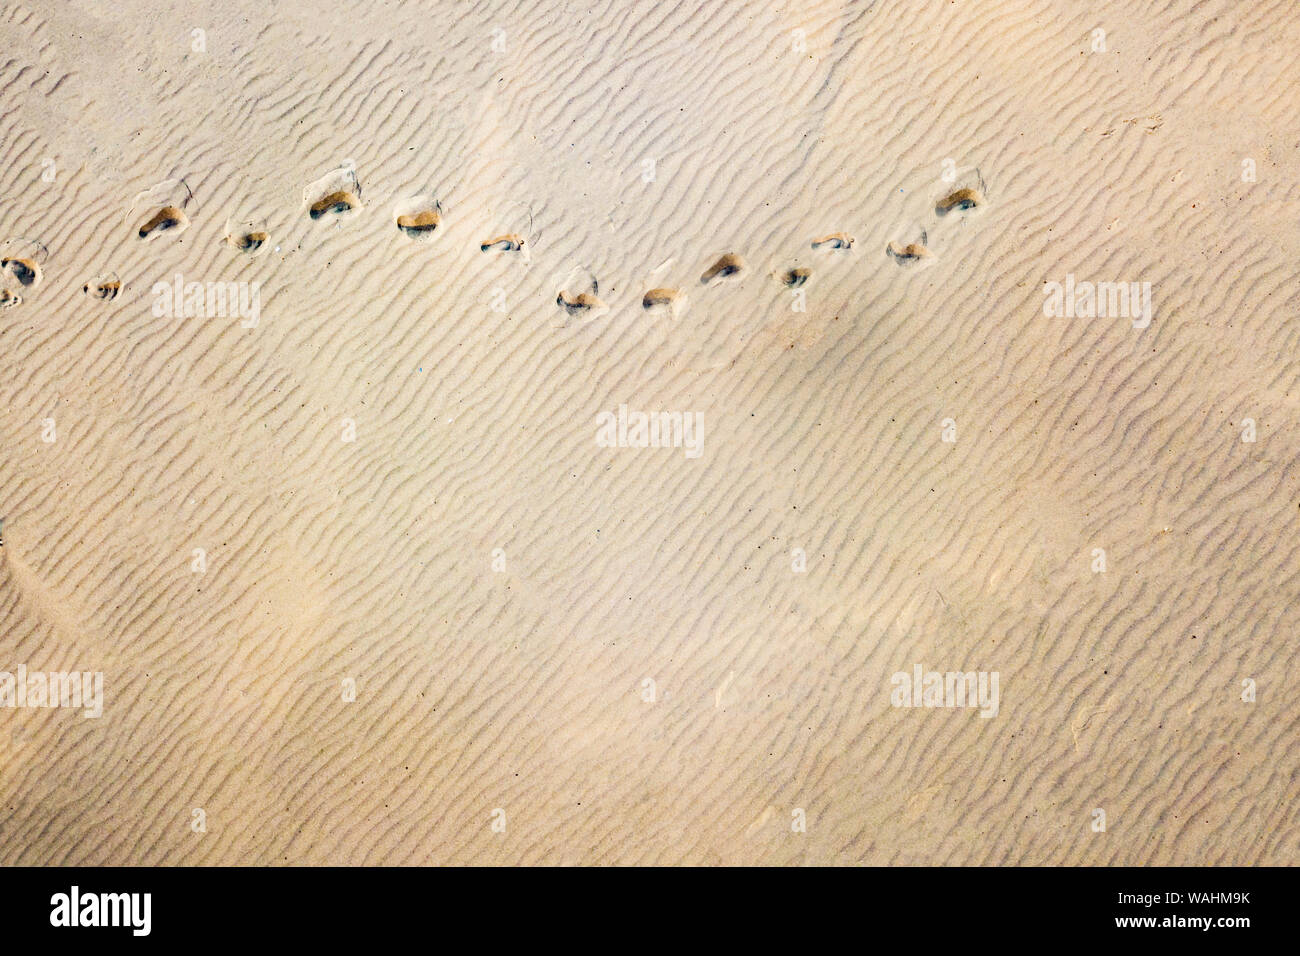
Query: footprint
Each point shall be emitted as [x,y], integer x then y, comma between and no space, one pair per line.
[337,192]
[836,240]
[168,217]
[418,216]
[105,286]
[20,268]
[728,265]
[511,242]
[968,197]
[911,252]
[795,277]
[588,303]
[161,209]
[338,202]
[20,259]
[25,271]
[584,303]
[663,300]
[249,236]
[967,191]
[249,242]
[512,230]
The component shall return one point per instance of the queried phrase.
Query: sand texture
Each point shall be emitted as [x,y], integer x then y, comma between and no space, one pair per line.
[363,582]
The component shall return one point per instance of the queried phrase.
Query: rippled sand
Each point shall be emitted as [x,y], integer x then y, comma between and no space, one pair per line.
[365,587]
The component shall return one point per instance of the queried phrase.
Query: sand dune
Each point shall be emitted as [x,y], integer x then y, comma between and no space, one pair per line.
[311,316]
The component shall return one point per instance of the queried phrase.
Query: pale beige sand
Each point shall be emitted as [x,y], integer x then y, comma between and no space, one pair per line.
[523,690]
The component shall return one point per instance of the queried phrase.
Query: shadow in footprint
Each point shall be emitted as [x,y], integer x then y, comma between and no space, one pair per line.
[21,259]
[335,202]
[587,303]
[336,193]
[249,242]
[512,242]
[584,303]
[168,217]
[966,192]
[512,224]
[663,300]
[418,217]
[912,252]
[20,269]
[249,236]
[960,199]
[105,286]
[836,240]
[161,210]
[726,267]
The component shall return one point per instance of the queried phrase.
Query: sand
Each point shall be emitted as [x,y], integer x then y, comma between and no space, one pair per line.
[362,583]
